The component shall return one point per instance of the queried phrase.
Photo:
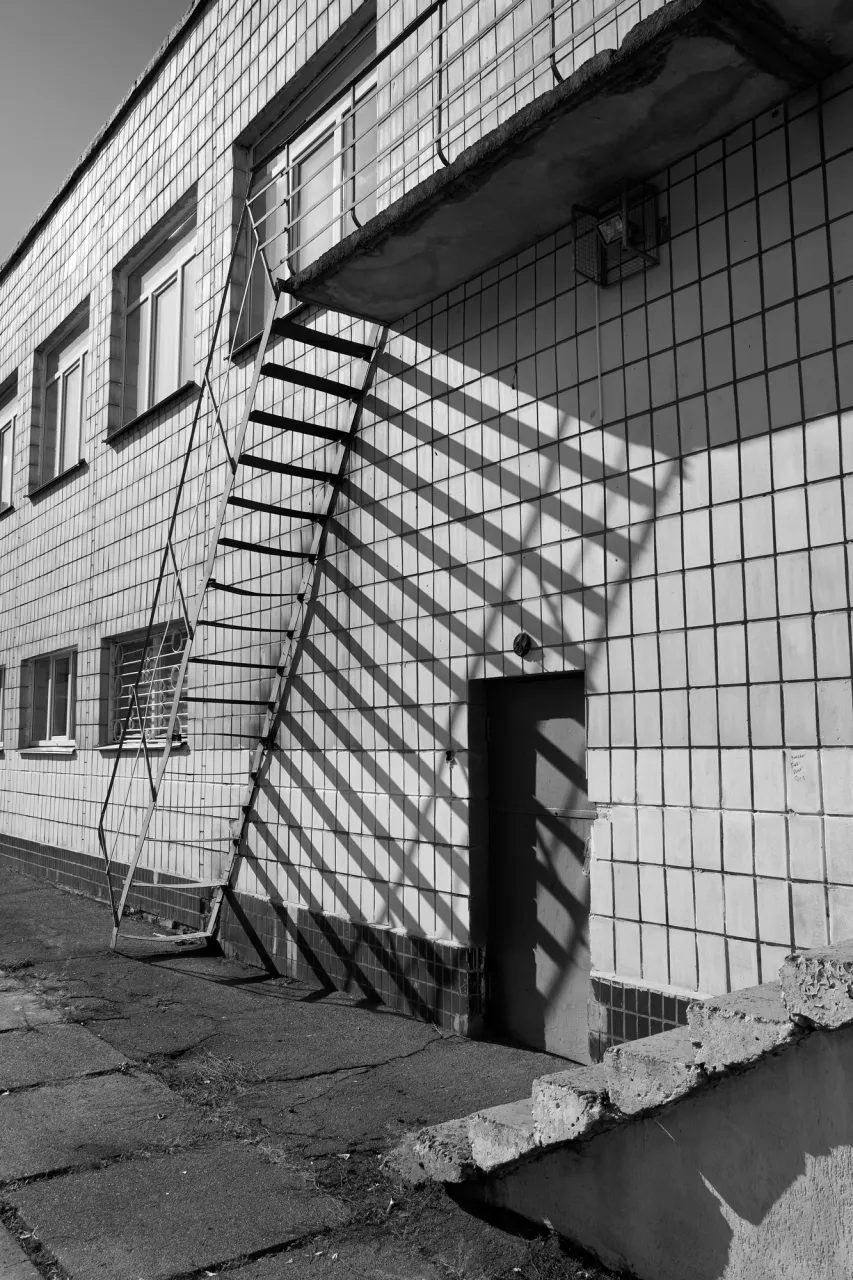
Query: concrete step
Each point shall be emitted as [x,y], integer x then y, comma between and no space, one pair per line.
[502,1134]
[652,1072]
[570,1103]
[607,1155]
[444,1151]
[737,1029]
[724,1034]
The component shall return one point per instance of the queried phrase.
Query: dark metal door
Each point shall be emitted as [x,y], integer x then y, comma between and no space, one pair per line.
[539,825]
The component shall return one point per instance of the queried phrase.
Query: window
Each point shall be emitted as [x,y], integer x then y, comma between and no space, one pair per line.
[154,695]
[313,182]
[52,682]
[7,446]
[159,322]
[63,403]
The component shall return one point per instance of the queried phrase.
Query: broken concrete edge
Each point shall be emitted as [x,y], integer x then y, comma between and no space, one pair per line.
[739,1028]
[817,986]
[637,1080]
[444,1152]
[652,1072]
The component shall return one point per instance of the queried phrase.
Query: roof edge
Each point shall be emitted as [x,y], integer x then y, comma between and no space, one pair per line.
[112,124]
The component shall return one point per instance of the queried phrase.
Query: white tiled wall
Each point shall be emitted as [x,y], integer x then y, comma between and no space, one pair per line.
[653,481]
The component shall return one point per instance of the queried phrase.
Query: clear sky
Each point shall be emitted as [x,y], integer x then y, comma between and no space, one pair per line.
[64,67]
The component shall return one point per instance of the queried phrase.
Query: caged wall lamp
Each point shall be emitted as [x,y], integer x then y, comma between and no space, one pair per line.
[619,238]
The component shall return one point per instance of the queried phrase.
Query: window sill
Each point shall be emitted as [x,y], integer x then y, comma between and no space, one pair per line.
[51,749]
[7,511]
[180,393]
[154,748]
[251,344]
[39,489]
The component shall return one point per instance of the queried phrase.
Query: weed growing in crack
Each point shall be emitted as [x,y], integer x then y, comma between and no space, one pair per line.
[37,1252]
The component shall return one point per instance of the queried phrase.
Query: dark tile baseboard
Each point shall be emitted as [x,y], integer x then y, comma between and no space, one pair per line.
[618,1011]
[434,981]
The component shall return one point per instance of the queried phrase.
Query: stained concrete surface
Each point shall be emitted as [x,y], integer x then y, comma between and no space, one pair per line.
[21,1009]
[283,1102]
[53,1053]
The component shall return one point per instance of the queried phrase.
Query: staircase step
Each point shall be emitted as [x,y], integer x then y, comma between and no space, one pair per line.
[310,380]
[284,328]
[234,626]
[570,1103]
[244,591]
[502,1134]
[652,1072]
[739,1028]
[239,702]
[284,468]
[293,424]
[251,504]
[175,940]
[242,545]
[231,662]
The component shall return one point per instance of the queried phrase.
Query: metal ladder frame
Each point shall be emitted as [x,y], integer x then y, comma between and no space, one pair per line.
[300,613]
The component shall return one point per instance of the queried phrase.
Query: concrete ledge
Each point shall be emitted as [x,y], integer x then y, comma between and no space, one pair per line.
[817,986]
[747,1178]
[570,1104]
[653,1072]
[737,1029]
[502,1134]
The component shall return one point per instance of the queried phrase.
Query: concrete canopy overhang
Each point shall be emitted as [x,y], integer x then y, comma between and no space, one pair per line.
[693,71]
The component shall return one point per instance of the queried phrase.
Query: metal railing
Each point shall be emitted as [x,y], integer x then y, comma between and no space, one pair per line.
[439,85]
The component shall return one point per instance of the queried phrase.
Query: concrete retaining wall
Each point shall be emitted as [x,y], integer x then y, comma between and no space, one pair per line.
[719,1150]
[750,1180]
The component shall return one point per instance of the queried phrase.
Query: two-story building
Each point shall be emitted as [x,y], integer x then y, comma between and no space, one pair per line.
[425,448]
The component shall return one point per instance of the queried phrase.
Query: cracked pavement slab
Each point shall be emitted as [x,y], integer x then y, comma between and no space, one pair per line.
[331,1111]
[47,1054]
[59,1126]
[173,1213]
[283,1098]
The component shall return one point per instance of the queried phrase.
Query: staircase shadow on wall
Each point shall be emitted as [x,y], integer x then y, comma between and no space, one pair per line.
[479,569]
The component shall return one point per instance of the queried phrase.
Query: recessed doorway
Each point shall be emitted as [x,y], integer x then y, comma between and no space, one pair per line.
[538,875]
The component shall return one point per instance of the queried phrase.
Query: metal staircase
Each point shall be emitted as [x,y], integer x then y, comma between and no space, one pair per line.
[242,462]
